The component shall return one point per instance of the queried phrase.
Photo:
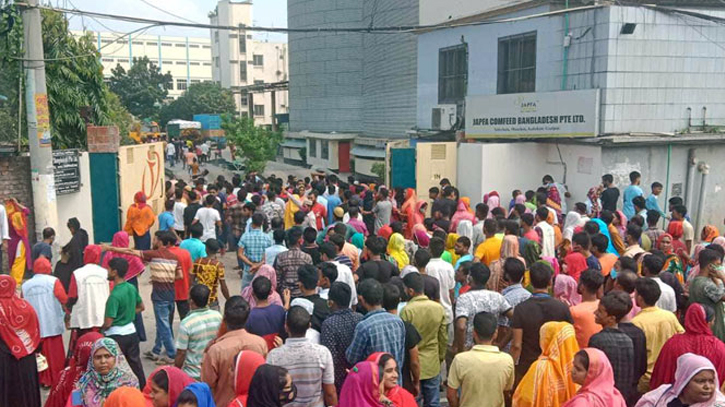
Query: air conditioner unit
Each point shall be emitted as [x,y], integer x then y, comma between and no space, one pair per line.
[443,117]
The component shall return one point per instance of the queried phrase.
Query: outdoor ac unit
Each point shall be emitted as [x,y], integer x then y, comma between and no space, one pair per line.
[443,117]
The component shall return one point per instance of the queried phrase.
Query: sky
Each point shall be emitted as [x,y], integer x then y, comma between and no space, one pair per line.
[265,13]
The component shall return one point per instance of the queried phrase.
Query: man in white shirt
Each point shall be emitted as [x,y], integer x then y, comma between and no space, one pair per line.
[442,271]
[651,266]
[548,238]
[328,252]
[170,153]
[178,212]
[209,218]
[4,233]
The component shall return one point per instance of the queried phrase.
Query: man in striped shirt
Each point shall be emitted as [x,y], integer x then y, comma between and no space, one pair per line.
[195,332]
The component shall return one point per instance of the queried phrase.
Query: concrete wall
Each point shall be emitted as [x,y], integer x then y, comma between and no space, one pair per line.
[76,205]
[437,11]
[389,69]
[331,162]
[503,167]
[648,79]
[364,165]
[435,161]
[325,69]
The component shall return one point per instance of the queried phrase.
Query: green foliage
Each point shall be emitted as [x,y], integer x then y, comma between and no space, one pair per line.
[142,88]
[10,72]
[254,144]
[120,117]
[379,170]
[199,98]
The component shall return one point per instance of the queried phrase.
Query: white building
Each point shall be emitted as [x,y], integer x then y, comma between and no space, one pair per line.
[240,61]
[188,59]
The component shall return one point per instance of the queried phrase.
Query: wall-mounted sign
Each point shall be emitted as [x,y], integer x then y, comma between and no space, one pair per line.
[572,113]
[66,165]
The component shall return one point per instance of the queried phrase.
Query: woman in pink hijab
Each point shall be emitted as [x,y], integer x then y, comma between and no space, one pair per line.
[135,265]
[493,200]
[565,290]
[274,298]
[696,385]
[593,372]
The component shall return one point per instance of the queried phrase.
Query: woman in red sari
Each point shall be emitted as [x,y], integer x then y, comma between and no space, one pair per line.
[697,339]
[388,376]
[410,211]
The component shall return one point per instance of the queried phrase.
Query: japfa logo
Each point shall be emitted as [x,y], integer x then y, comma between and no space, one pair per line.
[527,105]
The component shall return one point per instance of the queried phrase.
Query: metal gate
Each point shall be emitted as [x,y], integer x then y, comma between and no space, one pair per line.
[402,165]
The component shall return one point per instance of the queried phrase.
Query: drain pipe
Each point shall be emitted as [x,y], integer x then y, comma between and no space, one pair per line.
[690,180]
[704,117]
[705,170]
[689,119]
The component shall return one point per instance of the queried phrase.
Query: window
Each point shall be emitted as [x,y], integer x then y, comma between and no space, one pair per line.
[313,148]
[216,36]
[152,44]
[245,114]
[154,61]
[181,84]
[517,63]
[107,59]
[232,36]
[169,85]
[194,63]
[207,63]
[180,63]
[123,60]
[137,43]
[325,149]
[180,45]
[106,41]
[258,60]
[452,74]
[193,46]
[244,100]
[258,82]
[242,45]
[165,44]
[122,42]
[195,81]
[249,37]
[243,72]
[206,46]
[259,110]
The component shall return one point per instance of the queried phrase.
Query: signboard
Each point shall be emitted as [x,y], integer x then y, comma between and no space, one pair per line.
[66,166]
[572,113]
[42,117]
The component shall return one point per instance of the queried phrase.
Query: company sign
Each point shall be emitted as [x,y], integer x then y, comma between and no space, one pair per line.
[533,115]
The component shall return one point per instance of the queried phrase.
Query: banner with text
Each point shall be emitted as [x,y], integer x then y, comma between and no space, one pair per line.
[572,113]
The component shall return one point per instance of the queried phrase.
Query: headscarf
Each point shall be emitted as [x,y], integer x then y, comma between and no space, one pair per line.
[622,222]
[532,253]
[467,202]
[140,199]
[361,387]
[92,254]
[593,196]
[410,210]
[720,241]
[572,220]
[274,298]
[77,366]
[135,265]
[203,395]
[396,250]
[42,266]
[509,249]
[19,327]
[658,244]
[398,395]
[710,233]
[675,229]
[576,263]
[465,228]
[245,366]
[358,240]
[603,229]
[697,339]
[95,387]
[565,290]
[462,213]
[385,232]
[493,201]
[451,240]
[265,388]
[422,238]
[548,380]
[598,389]
[17,218]
[125,397]
[688,365]
[177,381]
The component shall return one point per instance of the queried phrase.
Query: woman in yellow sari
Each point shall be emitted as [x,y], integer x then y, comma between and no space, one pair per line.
[451,240]
[548,382]
[396,251]
[294,203]
[18,246]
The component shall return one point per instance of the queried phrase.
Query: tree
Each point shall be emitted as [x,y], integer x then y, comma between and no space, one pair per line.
[256,145]
[142,88]
[120,117]
[74,76]
[199,98]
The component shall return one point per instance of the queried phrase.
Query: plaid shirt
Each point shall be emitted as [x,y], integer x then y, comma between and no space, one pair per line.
[236,220]
[286,266]
[336,335]
[254,243]
[379,331]
[620,352]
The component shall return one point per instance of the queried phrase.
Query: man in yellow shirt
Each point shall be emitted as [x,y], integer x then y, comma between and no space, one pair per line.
[483,374]
[490,249]
[657,324]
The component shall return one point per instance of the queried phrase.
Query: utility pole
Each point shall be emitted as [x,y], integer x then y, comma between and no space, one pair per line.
[38,115]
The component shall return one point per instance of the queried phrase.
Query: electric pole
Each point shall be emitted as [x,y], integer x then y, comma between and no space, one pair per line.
[38,115]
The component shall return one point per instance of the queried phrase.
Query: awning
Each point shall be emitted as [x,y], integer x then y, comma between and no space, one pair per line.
[368,152]
[294,143]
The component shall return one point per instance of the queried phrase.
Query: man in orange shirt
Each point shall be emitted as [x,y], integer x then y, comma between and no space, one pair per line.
[490,249]
[590,288]
[599,250]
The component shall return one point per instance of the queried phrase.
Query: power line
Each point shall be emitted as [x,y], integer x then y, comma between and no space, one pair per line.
[167,12]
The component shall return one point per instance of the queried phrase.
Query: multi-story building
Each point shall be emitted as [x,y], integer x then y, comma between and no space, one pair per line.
[188,59]
[240,61]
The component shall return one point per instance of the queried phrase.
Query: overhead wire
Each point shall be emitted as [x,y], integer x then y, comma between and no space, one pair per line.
[167,12]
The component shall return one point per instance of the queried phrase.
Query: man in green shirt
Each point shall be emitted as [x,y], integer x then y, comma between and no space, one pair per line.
[429,318]
[121,308]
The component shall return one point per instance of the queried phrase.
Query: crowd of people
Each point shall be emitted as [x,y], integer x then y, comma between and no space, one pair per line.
[356,295]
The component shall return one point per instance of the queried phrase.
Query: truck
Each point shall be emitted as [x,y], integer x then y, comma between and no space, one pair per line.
[143,130]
